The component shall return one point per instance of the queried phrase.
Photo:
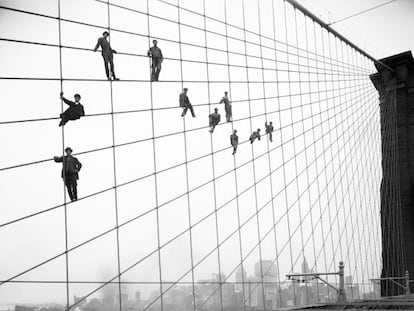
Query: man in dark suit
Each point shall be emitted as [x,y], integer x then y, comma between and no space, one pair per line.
[227,107]
[214,119]
[269,130]
[234,141]
[157,58]
[255,134]
[185,103]
[107,54]
[74,112]
[70,170]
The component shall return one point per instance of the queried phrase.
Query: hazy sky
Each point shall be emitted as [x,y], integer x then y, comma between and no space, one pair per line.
[382,32]
[185,207]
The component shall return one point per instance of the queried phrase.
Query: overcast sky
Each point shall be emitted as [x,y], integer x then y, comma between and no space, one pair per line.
[382,32]
[313,192]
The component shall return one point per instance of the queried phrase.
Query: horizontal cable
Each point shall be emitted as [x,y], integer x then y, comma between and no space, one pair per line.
[174,133]
[319,70]
[173,41]
[151,174]
[175,107]
[168,242]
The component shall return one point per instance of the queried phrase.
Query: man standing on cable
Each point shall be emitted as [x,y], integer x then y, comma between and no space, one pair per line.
[255,134]
[185,103]
[214,119]
[157,58]
[74,112]
[234,141]
[107,54]
[70,170]
[227,107]
[269,130]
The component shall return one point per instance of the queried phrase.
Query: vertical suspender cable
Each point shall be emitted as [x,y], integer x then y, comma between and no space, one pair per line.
[317,166]
[241,267]
[252,151]
[65,208]
[157,212]
[115,179]
[186,160]
[315,265]
[212,163]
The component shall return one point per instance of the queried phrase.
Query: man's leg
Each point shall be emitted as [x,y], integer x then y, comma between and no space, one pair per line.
[69,187]
[106,68]
[192,110]
[64,119]
[184,111]
[111,62]
[158,70]
[271,137]
[75,190]
[152,71]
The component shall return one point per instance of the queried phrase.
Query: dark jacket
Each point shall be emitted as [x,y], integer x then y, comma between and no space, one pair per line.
[75,111]
[234,139]
[155,52]
[254,135]
[226,101]
[105,46]
[214,118]
[184,101]
[269,128]
[71,165]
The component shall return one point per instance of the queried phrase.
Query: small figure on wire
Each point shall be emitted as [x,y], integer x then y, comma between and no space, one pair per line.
[269,130]
[70,169]
[234,141]
[255,134]
[107,54]
[227,107]
[214,119]
[185,103]
[74,112]
[156,56]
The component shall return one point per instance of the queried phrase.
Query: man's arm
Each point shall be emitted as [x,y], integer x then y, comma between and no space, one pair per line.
[181,100]
[97,45]
[66,101]
[149,53]
[57,159]
[78,164]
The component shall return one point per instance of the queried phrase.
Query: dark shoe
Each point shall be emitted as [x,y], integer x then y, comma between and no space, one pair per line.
[115,79]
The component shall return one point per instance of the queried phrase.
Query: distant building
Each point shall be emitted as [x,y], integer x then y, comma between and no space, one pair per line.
[262,288]
[137,297]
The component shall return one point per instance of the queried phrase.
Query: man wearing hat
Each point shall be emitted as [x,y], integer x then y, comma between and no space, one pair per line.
[185,103]
[70,170]
[157,58]
[107,54]
[74,112]
[227,106]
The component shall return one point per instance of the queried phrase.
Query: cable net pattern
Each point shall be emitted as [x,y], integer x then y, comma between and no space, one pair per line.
[167,218]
